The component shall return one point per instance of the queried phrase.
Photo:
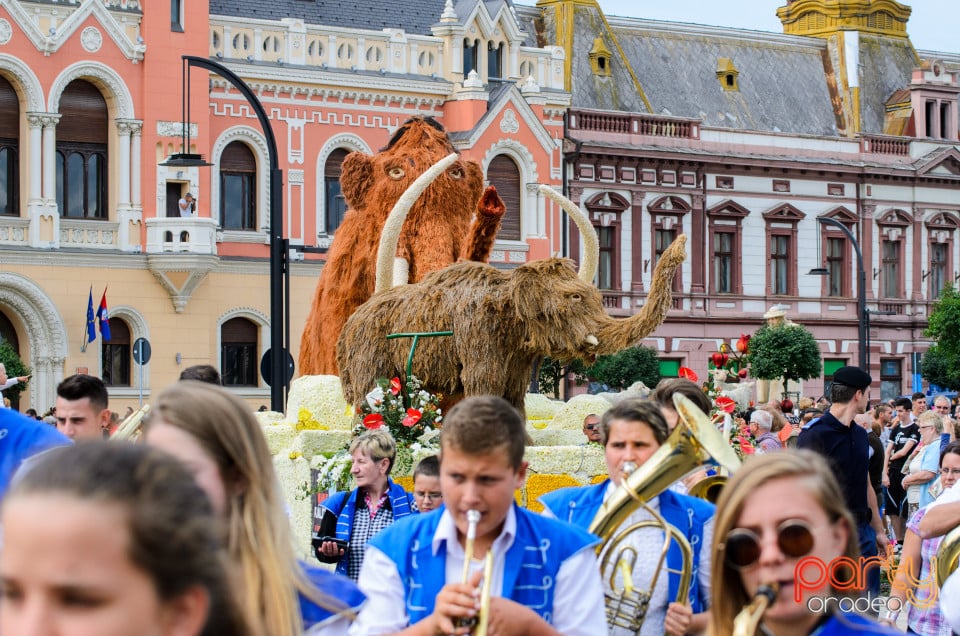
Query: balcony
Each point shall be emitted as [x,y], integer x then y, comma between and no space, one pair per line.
[182,235]
[634,124]
[885,145]
[14,231]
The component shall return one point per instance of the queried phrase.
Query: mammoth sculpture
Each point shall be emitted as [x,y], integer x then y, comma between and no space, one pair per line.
[503,321]
[455,218]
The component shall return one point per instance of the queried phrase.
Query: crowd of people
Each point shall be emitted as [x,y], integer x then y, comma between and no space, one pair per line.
[186,532]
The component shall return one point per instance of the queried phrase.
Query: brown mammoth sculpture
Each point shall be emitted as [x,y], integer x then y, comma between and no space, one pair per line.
[455,218]
[503,321]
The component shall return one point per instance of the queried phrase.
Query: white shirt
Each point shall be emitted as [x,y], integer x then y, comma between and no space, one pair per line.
[578,608]
[950,495]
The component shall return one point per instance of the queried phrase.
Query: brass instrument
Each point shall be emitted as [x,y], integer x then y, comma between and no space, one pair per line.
[948,556]
[480,622]
[694,442]
[748,620]
[709,488]
[129,428]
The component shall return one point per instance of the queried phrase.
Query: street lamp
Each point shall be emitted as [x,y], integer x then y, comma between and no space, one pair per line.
[279,358]
[863,318]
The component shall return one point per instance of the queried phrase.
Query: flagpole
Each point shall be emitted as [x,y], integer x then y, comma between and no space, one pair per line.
[83,341]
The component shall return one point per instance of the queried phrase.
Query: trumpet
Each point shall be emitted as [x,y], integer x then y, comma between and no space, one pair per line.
[129,429]
[748,620]
[480,622]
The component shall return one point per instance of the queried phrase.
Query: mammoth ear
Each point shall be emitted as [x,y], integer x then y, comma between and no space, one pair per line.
[534,286]
[356,177]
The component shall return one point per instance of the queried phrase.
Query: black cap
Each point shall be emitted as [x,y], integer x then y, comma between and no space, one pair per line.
[853,377]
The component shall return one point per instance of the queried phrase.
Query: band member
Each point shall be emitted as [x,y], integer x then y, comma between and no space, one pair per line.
[632,431]
[426,484]
[780,508]
[544,577]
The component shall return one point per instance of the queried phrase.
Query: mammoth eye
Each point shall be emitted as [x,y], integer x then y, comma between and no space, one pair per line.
[395,173]
[456,172]
[576,297]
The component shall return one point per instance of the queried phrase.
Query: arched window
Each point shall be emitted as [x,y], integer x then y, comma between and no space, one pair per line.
[469,56]
[82,152]
[238,187]
[115,355]
[504,174]
[334,203]
[238,352]
[494,60]
[9,149]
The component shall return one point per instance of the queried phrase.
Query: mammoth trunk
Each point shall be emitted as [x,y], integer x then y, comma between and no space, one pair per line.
[615,334]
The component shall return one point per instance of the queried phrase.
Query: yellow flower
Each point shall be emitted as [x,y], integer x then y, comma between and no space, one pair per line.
[306,421]
[295,454]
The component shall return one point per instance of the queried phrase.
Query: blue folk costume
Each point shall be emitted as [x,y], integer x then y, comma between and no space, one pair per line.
[338,588]
[540,547]
[579,505]
[344,504]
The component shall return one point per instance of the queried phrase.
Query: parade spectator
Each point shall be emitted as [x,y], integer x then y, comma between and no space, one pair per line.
[6,383]
[632,431]
[81,409]
[545,576]
[875,469]
[780,508]
[426,484]
[919,401]
[373,505]
[761,421]
[202,373]
[924,463]
[924,615]
[191,203]
[216,434]
[903,439]
[663,396]
[184,208]
[883,414]
[845,445]
[113,539]
[32,414]
[941,404]
[20,439]
[591,427]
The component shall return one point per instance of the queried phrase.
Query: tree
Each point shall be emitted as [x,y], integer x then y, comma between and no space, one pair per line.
[941,364]
[552,372]
[620,370]
[786,351]
[15,368]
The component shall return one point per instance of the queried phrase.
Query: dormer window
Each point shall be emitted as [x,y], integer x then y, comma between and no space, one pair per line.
[600,57]
[469,56]
[727,73]
[494,60]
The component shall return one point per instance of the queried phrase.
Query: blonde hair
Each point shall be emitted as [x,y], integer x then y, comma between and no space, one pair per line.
[377,444]
[727,594]
[266,576]
[934,418]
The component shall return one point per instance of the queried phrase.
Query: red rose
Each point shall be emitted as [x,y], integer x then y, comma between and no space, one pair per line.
[743,344]
[395,386]
[413,416]
[720,360]
[372,421]
[688,373]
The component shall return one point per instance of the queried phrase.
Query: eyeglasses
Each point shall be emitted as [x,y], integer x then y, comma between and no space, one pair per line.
[925,426]
[428,495]
[942,408]
[950,471]
[742,547]
[590,427]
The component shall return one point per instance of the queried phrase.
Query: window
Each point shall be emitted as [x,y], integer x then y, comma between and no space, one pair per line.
[82,153]
[829,368]
[780,264]
[890,269]
[115,355]
[932,130]
[662,239]
[494,60]
[176,15]
[469,57]
[606,270]
[891,380]
[836,260]
[9,149]
[238,189]
[670,367]
[938,268]
[504,174]
[335,205]
[238,352]
[723,262]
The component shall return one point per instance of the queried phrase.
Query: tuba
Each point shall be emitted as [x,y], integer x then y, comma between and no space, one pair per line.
[948,556]
[694,442]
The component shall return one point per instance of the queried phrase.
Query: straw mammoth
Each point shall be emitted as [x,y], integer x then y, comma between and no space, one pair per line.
[503,321]
[455,218]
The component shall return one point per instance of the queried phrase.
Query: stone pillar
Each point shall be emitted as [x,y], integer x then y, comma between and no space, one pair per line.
[35,122]
[696,246]
[129,209]
[50,121]
[123,150]
[636,240]
[136,129]
[42,208]
[868,243]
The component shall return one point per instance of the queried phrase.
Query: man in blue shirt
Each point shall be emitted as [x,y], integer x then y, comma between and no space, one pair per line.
[845,445]
[21,438]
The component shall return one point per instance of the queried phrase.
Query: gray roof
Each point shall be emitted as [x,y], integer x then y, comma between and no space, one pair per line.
[413,17]
[886,66]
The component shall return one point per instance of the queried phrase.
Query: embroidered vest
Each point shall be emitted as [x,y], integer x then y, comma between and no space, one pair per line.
[539,548]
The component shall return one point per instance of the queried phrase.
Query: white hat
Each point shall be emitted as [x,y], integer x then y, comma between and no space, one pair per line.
[950,600]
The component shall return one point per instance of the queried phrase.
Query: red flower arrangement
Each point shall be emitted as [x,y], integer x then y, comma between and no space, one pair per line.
[407,411]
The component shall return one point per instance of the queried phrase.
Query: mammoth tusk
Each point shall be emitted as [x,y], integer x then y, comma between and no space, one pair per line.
[592,340]
[394,223]
[591,245]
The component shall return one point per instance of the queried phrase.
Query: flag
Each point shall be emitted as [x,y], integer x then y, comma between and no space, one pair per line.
[90,331]
[103,317]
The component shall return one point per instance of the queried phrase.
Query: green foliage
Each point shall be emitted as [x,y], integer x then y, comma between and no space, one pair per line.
[786,351]
[941,364]
[15,368]
[620,370]
[552,372]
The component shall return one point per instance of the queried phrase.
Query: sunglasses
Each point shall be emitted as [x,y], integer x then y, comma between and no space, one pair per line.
[742,547]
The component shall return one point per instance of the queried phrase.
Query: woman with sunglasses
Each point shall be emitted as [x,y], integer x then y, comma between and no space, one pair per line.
[915,581]
[779,511]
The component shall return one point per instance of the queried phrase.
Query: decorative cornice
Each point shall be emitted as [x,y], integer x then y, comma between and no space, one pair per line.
[825,17]
[198,266]
[26,80]
[100,73]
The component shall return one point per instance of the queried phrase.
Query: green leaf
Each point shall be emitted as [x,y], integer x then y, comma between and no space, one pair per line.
[786,351]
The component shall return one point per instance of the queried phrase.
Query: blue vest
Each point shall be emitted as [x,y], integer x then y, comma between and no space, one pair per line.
[579,505]
[852,625]
[20,439]
[338,588]
[344,504]
[539,548]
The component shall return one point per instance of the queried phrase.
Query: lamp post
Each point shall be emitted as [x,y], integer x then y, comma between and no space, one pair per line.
[278,254]
[862,317]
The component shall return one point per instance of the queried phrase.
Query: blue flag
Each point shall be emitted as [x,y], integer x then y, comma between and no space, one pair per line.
[91,330]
